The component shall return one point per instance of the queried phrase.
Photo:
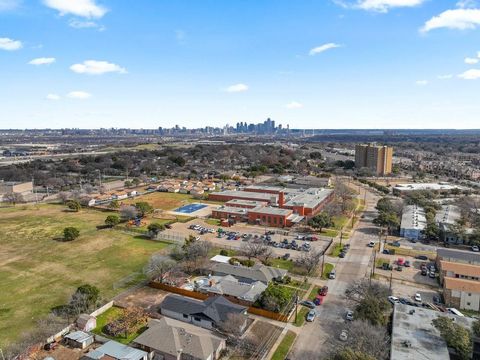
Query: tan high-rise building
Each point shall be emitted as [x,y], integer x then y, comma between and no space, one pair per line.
[374,157]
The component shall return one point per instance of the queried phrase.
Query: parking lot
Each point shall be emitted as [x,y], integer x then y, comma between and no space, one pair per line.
[281,241]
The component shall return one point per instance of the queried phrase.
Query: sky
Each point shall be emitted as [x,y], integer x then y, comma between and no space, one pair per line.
[324,64]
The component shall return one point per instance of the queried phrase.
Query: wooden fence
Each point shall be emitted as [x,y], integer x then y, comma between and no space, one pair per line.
[200,296]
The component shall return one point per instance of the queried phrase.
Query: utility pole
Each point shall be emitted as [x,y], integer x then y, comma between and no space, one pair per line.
[374,262]
[341,237]
[390,287]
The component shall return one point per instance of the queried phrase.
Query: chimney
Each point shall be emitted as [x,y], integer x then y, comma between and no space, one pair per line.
[281,199]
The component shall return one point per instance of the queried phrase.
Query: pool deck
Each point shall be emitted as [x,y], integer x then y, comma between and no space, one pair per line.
[203,212]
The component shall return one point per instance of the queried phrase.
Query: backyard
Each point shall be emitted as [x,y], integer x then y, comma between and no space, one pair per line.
[42,272]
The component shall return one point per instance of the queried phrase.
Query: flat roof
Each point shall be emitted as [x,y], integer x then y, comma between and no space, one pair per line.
[246,202]
[415,337]
[413,217]
[270,211]
[309,198]
[471,286]
[247,195]
[448,215]
[232,210]
[468,257]
[425,186]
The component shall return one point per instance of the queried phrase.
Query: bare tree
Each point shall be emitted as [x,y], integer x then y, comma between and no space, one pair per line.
[13,198]
[128,212]
[345,196]
[368,339]
[253,250]
[309,260]
[158,267]
[361,289]
[64,196]
[234,324]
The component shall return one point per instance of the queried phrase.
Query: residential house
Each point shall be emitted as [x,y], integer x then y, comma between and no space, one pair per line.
[79,339]
[233,289]
[169,339]
[113,350]
[460,278]
[208,314]
[248,275]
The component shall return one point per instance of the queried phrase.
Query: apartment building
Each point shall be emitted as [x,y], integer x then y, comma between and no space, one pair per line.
[460,278]
[374,157]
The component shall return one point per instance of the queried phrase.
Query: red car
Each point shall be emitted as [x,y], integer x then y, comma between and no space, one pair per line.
[400,261]
[323,291]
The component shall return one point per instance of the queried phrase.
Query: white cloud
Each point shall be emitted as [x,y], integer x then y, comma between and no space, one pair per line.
[377,5]
[94,67]
[9,44]
[88,24]
[444,77]
[322,48]
[385,5]
[83,8]
[294,105]
[421,82]
[460,19]
[471,74]
[7,5]
[42,61]
[237,88]
[471,61]
[82,95]
[54,97]
[465,4]
[478,54]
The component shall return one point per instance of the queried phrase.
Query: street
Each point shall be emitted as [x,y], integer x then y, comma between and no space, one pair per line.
[318,338]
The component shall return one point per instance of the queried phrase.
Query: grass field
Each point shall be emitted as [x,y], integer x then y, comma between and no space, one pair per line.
[167,201]
[326,270]
[38,272]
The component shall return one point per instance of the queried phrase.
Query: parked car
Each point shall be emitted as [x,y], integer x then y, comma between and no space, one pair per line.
[437,300]
[418,297]
[342,255]
[311,315]
[371,244]
[308,303]
[386,251]
[396,244]
[424,272]
[286,256]
[349,315]
[343,335]
[400,261]
[323,291]
[393,299]
[399,268]
[332,275]
[431,275]
[407,263]
[422,257]
[475,248]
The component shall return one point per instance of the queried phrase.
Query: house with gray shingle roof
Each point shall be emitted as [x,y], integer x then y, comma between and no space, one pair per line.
[208,314]
[245,274]
[170,339]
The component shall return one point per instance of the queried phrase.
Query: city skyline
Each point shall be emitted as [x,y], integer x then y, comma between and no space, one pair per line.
[335,64]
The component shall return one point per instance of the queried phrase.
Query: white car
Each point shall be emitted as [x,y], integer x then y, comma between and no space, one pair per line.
[418,297]
[393,299]
[371,244]
[343,335]
[475,248]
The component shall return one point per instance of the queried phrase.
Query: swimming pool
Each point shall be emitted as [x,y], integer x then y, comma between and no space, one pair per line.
[188,209]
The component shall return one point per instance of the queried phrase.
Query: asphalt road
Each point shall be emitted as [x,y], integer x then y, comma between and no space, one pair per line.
[318,338]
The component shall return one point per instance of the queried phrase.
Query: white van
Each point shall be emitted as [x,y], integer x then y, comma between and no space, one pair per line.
[332,274]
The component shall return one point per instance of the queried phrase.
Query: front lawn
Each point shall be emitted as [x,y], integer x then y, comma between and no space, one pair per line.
[284,347]
[327,268]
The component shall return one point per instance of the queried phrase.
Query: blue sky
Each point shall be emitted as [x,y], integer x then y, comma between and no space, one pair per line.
[307,63]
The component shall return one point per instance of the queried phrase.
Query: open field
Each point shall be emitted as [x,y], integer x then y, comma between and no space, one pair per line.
[167,201]
[38,272]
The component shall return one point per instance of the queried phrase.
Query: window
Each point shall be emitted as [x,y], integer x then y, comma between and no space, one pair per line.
[197,318]
[468,304]
[469,294]
[185,316]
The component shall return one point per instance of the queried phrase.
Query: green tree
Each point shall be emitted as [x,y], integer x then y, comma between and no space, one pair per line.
[114,204]
[321,221]
[154,229]
[456,336]
[432,231]
[74,205]
[373,310]
[90,292]
[143,208]
[476,328]
[70,233]
[390,220]
[275,298]
[112,220]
